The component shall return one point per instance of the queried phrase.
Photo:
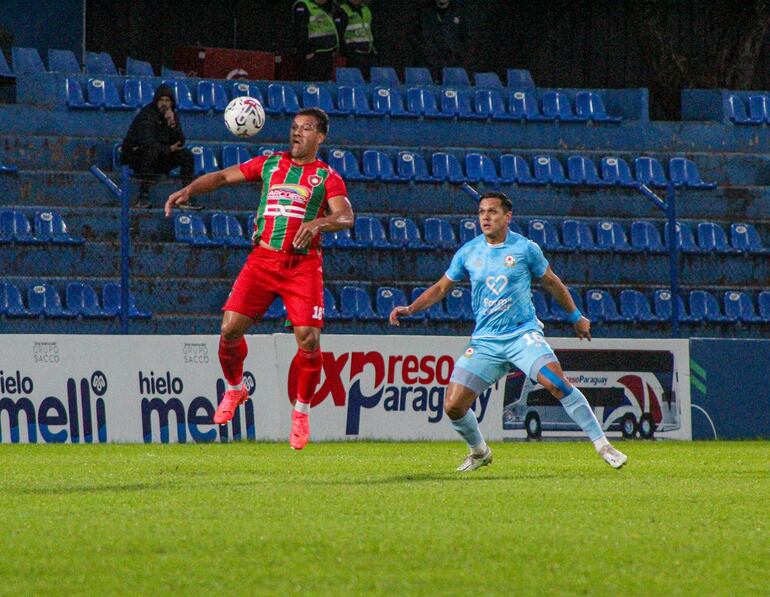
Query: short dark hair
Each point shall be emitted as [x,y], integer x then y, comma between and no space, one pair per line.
[321,117]
[506,203]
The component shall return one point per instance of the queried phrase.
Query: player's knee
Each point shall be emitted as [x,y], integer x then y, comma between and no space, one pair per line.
[308,338]
[230,331]
[454,410]
[556,384]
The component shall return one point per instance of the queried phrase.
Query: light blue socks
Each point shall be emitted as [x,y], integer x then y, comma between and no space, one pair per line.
[578,409]
[468,427]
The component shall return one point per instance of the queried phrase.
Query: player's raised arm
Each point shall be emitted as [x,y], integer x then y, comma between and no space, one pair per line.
[205,184]
[427,299]
[339,217]
[556,288]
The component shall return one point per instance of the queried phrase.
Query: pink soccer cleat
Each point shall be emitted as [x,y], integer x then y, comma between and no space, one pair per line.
[300,430]
[230,401]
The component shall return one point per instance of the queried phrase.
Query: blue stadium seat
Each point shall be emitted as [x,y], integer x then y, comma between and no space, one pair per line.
[99,63]
[212,96]
[377,166]
[745,238]
[469,229]
[454,75]
[63,61]
[577,236]
[589,105]
[204,158]
[758,109]
[435,312]
[316,96]
[663,307]
[226,230]
[514,227]
[49,226]
[547,169]
[75,97]
[458,304]
[557,106]
[558,313]
[457,103]
[684,173]
[685,239]
[421,101]
[582,170]
[487,80]
[515,169]
[355,303]
[412,166]
[544,233]
[649,171]
[239,88]
[601,306]
[137,93]
[104,94]
[384,75]
[276,310]
[353,100]
[348,76]
[369,233]
[646,237]
[446,168]
[117,157]
[439,233]
[111,302]
[339,238]
[15,227]
[417,75]
[5,70]
[523,106]
[190,228]
[7,168]
[763,301]
[615,171]
[83,300]
[740,307]
[233,154]
[346,163]
[542,311]
[138,68]
[489,103]
[634,306]
[712,238]
[43,299]
[183,96]
[331,313]
[170,72]
[704,306]
[519,78]
[268,150]
[480,168]
[11,303]
[404,233]
[390,102]
[282,99]
[387,298]
[736,111]
[610,236]
[26,61]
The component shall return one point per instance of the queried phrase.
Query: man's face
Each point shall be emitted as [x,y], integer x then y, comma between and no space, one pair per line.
[304,137]
[493,217]
[442,3]
[164,104]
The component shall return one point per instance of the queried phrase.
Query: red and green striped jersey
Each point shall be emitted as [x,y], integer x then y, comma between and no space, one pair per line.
[291,194]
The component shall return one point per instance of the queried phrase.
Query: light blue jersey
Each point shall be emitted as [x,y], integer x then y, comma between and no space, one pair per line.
[501,277]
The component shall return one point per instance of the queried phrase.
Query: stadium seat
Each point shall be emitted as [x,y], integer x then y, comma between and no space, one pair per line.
[704,306]
[417,75]
[369,233]
[446,168]
[348,76]
[26,61]
[11,303]
[480,168]
[241,88]
[646,237]
[610,236]
[650,172]
[49,226]
[111,302]
[559,314]
[5,70]
[171,73]
[435,312]
[489,103]
[469,229]
[577,236]
[457,103]
[233,154]
[601,307]
[736,111]
[281,99]
[515,169]
[377,166]
[389,102]
[388,298]
[544,233]
[137,93]
[83,300]
[104,94]
[212,96]
[330,306]
[712,238]
[99,63]
[138,68]
[663,303]
[634,306]
[339,238]
[384,75]
[346,163]
[192,230]
[745,238]
[7,168]
[268,150]
[740,307]
[582,170]
[317,96]
[226,230]
[557,106]
[458,304]
[353,100]
[276,310]
[542,311]
[684,173]
[589,105]
[523,106]
[547,169]
[355,303]
[75,97]
[412,166]
[615,171]
[204,158]
[183,96]
[487,80]
[763,301]
[43,299]
[439,233]
[519,78]
[422,102]
[513,226]
[15,227]
[63,61]
[454,76]
[758,109]
[685,239]
[404,233]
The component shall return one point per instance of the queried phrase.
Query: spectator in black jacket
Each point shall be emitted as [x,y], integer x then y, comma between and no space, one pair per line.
[154,144]
[441,35]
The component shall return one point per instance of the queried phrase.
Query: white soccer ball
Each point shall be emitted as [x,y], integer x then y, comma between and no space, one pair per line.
[244,116]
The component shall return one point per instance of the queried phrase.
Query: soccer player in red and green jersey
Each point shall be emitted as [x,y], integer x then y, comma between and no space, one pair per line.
[301,197]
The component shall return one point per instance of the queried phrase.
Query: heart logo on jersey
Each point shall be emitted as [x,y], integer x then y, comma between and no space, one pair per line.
[498,284]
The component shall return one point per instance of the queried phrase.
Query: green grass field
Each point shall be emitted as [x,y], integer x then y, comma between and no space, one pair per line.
[384,518]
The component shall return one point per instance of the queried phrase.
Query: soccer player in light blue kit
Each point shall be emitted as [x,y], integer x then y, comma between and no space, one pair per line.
[501,265]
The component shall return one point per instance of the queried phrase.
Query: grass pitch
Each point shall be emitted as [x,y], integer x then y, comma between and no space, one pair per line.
[384,518]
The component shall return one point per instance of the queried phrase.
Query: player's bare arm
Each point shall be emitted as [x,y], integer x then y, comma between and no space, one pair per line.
[427,299]
[556,288]
[205,184]
[340,216]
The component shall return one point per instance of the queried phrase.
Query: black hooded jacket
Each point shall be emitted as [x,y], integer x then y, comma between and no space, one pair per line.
[149,128]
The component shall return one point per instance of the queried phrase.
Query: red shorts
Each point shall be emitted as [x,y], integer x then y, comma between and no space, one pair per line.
[297,279]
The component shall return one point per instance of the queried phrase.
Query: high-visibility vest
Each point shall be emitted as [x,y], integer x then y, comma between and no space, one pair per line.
[321,30]
[358,34]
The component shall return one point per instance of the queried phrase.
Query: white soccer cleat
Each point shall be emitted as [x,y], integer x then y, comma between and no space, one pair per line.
[471,462]
[613,457]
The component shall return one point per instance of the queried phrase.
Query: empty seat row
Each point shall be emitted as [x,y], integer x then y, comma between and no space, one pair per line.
[450,76]
[81,300]
[754,110]
[49,228]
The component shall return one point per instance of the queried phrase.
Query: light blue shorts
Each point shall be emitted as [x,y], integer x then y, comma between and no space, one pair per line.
[487,359]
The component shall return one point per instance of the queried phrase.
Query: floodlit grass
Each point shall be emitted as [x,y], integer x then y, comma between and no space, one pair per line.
[384,518]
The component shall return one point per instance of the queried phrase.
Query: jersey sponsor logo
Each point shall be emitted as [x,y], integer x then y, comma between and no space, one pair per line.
[277,210]
[497,284]
[292,192]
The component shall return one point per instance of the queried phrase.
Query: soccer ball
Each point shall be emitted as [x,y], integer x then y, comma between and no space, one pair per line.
[244,116]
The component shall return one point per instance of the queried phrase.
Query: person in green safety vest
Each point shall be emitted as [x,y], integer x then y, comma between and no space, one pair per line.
[358,41]
[317,32]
